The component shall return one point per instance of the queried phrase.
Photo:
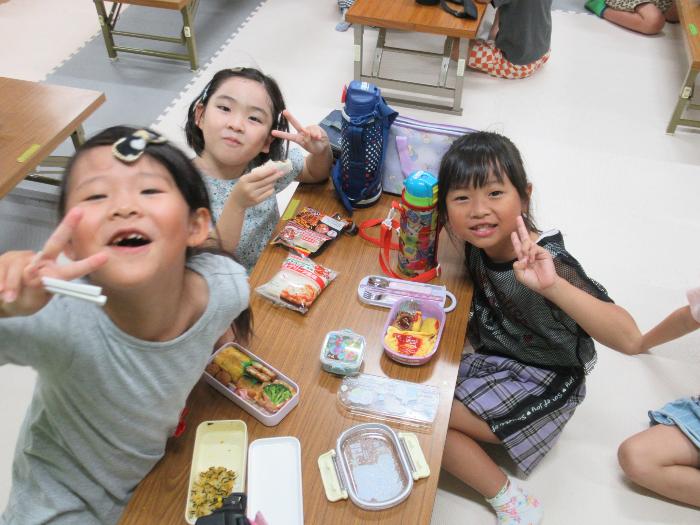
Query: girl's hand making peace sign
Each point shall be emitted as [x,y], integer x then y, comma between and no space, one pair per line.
[312,138]
[21,290]
[534,267]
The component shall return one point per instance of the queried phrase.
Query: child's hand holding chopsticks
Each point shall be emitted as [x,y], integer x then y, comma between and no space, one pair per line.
[28,279]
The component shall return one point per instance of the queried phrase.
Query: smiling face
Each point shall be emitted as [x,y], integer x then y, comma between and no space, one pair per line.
[133,212]
[236,123]
[485,216]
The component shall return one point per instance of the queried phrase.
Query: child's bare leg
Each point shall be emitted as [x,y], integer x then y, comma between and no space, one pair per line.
[463,456]
[646,18]
[663,460]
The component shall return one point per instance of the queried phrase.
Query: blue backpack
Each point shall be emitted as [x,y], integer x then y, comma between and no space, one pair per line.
[366,121]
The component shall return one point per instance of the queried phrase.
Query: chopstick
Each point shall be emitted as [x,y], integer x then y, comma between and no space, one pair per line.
[86,292]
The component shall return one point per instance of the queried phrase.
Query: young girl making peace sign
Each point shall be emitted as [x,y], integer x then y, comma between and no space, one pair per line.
[534,312]
[113,381]
[235,125]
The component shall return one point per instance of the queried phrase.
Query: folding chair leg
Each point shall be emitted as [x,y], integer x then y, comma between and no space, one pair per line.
[188,32]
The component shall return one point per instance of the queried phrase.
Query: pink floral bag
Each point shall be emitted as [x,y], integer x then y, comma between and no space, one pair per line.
[415,145]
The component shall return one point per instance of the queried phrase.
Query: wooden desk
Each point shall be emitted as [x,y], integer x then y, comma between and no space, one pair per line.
[292,343]
[34,119]
[187,8]
[689,13]
[407,15]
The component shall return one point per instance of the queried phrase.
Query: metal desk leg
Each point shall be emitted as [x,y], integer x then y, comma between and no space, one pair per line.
[445,66]
[379,50]
[359,29]
[106,29]
[463,46]
[188,33]
[78,136]
[683,99]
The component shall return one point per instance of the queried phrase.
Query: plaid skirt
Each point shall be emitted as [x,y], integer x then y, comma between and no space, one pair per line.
[525,406]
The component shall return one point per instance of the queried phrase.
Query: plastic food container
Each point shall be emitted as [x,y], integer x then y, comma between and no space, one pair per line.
[372,465]
[388,399]
[252,407]
[383,291]
[428,309]
[218,444]
[342,352]
[274,480]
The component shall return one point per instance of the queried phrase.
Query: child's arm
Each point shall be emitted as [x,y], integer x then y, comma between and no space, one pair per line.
[677,324]
[607,323]
[250,190]
[317,165]
[21,290]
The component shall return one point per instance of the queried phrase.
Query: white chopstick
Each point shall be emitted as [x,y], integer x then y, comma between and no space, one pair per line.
[86,292]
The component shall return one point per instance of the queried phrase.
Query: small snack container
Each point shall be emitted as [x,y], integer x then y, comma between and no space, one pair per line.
[342,352]
[372,465]
[217,445]
[274,480]
[415,312]
[254,385]
[386,399]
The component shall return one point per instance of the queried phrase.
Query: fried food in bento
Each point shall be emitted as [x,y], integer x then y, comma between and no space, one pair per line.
[416,342]
[209,490]
[233,361]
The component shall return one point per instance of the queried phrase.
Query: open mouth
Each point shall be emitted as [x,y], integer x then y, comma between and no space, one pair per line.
[482,227]
[129,240]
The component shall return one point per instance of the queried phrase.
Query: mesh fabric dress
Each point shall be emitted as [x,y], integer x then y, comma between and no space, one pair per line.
[526,375]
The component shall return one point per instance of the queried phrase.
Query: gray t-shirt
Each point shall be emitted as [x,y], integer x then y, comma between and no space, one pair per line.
[524,29]
[105,402]
[260,220]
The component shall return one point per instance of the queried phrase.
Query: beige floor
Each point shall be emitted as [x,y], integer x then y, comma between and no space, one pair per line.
[590,126]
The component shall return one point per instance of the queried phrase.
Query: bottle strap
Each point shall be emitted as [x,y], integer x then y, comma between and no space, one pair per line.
[388,226]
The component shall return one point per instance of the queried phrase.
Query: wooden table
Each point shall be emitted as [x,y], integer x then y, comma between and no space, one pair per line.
[187,8]
[292,343]
[407,15]
[34,119]
[689,14]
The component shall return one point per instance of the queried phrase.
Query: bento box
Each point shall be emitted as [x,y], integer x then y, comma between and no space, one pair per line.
[218,465]
[342,352]
[373,466]
[274,480]
[254,385]
[413,330]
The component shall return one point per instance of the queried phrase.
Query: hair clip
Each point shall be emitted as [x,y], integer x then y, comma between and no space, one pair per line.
[130,149]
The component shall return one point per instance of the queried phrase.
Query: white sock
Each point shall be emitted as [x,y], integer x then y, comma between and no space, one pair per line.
[514,506]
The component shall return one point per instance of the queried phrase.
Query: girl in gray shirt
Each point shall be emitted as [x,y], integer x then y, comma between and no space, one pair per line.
[112,381]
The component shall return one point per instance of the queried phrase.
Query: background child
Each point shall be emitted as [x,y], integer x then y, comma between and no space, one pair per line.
[666,458]
[534,311]
[522,31]
[643,16]
[112,381]
[237,124]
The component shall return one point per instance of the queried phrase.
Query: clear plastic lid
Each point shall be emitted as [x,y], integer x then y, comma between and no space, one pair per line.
[390,399]
[342,351]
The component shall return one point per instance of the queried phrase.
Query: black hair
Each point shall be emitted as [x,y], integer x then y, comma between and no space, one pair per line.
[187,179]
[278,147]
[472,158]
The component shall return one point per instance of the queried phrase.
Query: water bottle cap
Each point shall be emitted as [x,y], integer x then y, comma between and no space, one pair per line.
[421,185]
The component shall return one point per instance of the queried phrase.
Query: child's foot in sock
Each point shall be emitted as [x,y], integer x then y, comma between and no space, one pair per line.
[342,25]
[514,506]
[596,6]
